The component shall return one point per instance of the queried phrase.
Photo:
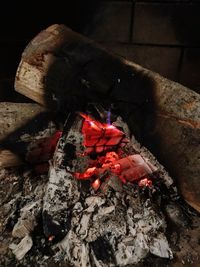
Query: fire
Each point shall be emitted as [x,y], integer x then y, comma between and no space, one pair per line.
[105,140]
[100,137]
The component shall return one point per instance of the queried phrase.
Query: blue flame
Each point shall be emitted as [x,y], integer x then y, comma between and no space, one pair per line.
[108,117]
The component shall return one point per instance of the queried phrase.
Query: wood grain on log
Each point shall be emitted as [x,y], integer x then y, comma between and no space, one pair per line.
[61,66]
[9,159]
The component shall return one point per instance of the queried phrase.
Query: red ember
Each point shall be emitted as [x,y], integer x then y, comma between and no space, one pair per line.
[99,137]
[145,182]
[96,184]
[106,138]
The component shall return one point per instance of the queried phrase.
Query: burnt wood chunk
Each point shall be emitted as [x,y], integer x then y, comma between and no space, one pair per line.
[65,69]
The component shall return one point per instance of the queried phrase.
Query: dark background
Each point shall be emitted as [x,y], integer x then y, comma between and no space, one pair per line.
[163,36]
[21,21]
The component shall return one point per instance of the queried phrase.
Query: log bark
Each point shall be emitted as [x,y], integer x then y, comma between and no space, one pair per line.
[20,125]
[64,68]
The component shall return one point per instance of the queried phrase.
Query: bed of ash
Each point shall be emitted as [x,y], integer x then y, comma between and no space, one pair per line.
[170,238]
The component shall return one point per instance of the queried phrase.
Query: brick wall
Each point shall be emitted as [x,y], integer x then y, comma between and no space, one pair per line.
[163,36]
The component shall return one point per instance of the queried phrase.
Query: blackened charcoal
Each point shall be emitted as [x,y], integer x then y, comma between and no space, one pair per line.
[70,154]
[70,151]
[54,230]
[102,250]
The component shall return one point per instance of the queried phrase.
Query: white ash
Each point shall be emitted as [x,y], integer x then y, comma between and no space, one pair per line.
[62,190]
[27,220]
[61,193]
[20,250]
[31,207]
[114,227]
[132,230]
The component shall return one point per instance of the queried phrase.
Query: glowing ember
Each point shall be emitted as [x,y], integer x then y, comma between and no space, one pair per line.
[98,139]
[51,238]
[86,175]
[96,184]
[145,182]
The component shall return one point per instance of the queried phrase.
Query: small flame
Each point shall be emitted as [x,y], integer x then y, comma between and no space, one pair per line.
[108,117]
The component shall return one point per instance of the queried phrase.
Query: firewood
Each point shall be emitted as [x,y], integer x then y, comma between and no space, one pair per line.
[21,126]
[12,117]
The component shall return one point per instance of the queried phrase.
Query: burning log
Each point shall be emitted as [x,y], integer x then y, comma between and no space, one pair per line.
[59,59]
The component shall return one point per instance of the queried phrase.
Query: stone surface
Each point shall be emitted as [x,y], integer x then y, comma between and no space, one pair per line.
[166,23]
[190,71]
[164,60]
[107,17]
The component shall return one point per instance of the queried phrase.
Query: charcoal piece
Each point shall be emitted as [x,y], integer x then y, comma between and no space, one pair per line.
[55,231]
[102,250]
[69,150]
